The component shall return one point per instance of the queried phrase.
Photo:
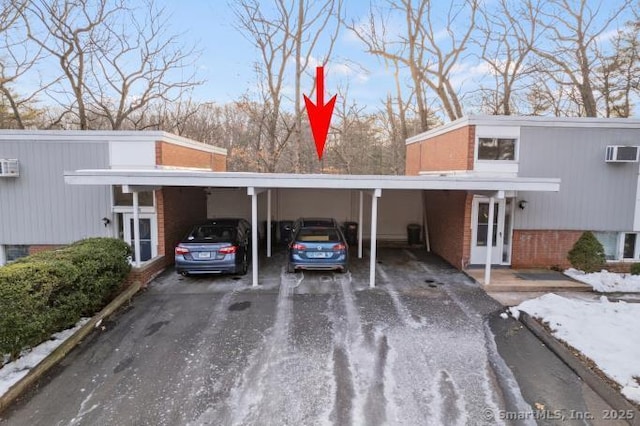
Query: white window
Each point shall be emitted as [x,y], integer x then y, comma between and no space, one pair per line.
[609,241]
[630,247]
[497,149]
[620,246]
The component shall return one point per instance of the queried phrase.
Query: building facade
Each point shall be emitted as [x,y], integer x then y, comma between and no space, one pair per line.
[39,211]
[595,159]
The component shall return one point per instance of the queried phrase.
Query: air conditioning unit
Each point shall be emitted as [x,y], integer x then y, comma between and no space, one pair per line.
[9,168]
[622,154]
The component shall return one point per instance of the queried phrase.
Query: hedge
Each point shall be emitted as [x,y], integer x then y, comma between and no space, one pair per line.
[50,291]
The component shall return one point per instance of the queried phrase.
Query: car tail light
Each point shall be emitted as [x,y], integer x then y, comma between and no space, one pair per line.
[340,247]
[182,250]
[299,246]
[228,250]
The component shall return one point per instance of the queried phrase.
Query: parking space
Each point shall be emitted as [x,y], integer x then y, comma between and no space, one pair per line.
[304,348]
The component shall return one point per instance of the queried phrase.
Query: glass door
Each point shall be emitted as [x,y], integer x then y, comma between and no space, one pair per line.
[480,231]
[148,235]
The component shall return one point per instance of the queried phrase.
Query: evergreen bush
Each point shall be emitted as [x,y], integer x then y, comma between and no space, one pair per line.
[587,253]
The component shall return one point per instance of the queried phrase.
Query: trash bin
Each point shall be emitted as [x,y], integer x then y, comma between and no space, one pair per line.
[351,232]
[285,232]
[413,233]
[274,231]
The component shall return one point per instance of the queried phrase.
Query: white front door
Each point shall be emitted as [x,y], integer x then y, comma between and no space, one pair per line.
[501,247]
[148,235]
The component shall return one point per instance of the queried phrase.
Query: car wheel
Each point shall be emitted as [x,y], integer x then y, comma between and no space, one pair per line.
[244,266]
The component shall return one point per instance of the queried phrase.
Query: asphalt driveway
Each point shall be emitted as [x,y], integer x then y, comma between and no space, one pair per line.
[425,347]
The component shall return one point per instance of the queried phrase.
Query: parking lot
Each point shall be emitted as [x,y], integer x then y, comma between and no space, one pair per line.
[426,346]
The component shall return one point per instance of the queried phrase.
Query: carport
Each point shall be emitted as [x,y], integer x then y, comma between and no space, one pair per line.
[262,184]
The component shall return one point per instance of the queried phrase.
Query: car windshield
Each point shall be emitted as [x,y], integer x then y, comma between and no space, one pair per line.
[318,235]
[212,233]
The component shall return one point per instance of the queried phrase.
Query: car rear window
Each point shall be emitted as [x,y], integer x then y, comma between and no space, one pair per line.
[318,222]
[213,234]
[318,235]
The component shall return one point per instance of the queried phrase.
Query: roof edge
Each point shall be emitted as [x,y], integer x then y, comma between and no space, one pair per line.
[526,121]
[107,136]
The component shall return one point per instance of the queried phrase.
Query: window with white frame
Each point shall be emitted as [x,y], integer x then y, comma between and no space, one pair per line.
[620,246]
[497,149]
[609,241]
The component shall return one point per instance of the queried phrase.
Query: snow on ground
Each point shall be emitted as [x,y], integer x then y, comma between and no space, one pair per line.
[13,371]
[603,331]
[607,282]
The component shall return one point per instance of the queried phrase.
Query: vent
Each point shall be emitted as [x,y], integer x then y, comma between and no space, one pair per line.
[622,154]
[9,168]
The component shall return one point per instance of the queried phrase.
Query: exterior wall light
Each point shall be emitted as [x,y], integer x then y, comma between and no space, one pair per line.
[522,204]
[106,221]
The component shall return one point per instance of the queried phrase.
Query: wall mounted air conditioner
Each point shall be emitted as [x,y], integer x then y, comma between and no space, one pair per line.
[622,154]
[9,168]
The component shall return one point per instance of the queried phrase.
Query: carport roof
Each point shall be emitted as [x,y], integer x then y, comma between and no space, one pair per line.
[173,177]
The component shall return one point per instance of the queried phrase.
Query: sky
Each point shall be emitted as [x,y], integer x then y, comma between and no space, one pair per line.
[227,60]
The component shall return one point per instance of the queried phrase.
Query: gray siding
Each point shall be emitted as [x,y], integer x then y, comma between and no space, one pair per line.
[594,195]
[38,207]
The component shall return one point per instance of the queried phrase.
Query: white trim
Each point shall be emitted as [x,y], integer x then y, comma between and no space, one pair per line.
[282,180]
[3,258]
[92,136]
[375,194]
[489,254]
[636,213]
[504,120]
[254,235]
[360,225]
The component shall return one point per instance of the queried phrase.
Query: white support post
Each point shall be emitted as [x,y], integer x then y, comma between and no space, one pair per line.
[487,265]
[360,227]
[374,230]
[254,236]
[269,236]
[136,228]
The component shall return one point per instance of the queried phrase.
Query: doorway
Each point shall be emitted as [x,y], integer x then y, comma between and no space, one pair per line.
[501,228]
[148,235]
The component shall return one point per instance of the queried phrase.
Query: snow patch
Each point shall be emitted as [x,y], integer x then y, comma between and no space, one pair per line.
[607,282]
[604,331]
[12,372]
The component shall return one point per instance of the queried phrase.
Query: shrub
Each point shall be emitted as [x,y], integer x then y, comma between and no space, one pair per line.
[587,253]
[635,269]
[50,291]
[28,302]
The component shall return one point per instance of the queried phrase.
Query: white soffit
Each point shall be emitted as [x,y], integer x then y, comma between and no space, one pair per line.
[277,180]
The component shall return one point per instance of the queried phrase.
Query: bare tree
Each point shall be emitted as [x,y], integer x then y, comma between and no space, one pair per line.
[289,36]
[431,53]
[573,30]
[509,33]
[113,61]
[16,59]
[618,76]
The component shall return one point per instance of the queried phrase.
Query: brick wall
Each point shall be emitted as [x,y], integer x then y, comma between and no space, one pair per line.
[219,163]
[178,209]
[412,160]
[146,273]
[449,219]
[449,151]
[542,249]
[168,154]
[43,247]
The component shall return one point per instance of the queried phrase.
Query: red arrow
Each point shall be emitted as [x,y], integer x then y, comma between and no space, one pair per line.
[319,113]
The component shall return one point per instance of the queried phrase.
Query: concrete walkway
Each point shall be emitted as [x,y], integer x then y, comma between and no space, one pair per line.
[503,279]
